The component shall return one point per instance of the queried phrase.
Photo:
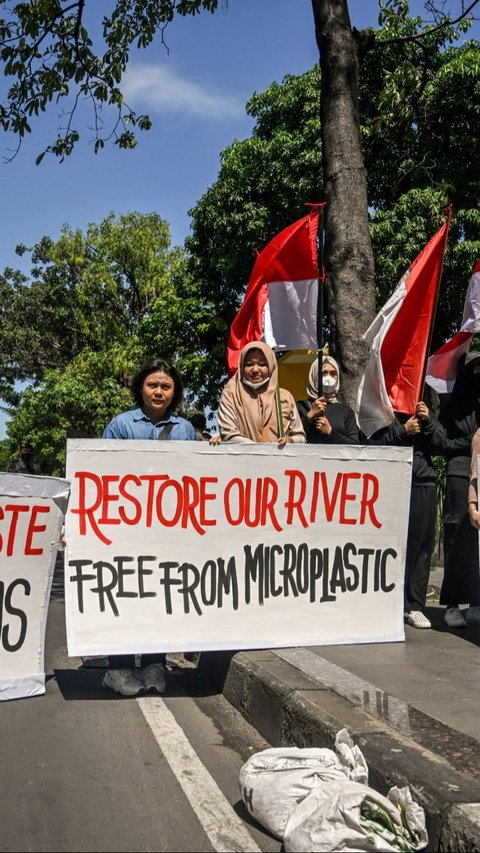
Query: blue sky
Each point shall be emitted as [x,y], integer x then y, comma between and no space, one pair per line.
[195,94]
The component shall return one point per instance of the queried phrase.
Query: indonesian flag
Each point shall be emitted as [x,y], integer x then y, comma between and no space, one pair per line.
[442,366]
[280,303]
[399,338]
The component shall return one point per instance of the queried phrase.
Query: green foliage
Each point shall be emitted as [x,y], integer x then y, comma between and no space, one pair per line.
[416,164]
[120,296]
[48,53]
[4,454]
[262,186]
[400,233]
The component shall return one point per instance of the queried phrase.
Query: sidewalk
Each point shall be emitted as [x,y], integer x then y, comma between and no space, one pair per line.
[412,707]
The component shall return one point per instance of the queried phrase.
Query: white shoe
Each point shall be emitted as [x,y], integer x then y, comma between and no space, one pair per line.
[454,618]
[418,619]
[153,676]
[473,615]
[122,681]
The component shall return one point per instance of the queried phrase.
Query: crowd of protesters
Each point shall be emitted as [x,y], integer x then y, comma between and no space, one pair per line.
[254,409]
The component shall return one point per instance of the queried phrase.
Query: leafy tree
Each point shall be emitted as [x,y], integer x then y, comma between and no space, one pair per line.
[48,53]
[265,180]
[46,49]
[120,295]
[86,291]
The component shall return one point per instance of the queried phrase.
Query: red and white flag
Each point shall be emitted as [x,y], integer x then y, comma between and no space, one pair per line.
[443,365]
[399,338]
[280,303]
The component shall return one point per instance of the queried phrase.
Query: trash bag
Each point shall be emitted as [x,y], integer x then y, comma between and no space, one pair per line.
[349,816]
[273,781]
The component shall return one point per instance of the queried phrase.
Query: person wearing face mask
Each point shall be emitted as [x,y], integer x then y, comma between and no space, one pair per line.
[247,410]
[461,418]
[324,418]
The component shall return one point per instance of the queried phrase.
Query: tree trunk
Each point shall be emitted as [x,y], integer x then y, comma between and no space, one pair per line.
[349,264]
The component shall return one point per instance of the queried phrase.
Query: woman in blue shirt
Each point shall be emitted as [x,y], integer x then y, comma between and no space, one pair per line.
[157,389]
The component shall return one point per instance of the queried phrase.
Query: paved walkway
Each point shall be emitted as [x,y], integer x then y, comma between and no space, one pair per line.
[412,707]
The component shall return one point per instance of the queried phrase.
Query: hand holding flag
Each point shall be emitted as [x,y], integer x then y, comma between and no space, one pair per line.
[399,339]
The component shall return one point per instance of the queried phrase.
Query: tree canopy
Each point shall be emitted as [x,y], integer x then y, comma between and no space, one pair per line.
[385,130]
[95,306]
[48,53]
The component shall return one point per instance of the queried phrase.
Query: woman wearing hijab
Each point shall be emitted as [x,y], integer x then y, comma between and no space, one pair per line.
[460,418]
[325,420]
[247,410]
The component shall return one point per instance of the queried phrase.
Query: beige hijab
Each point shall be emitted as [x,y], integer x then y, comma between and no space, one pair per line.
[257,417]
[312,385]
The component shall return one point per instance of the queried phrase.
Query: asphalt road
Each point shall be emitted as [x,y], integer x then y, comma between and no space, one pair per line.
[86,770]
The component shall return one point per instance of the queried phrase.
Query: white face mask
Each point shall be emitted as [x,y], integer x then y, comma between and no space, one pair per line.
[329,384]
[255,385]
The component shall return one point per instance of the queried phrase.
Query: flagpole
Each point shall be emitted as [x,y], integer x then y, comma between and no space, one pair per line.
[321,280]
[278,409]
[448,210]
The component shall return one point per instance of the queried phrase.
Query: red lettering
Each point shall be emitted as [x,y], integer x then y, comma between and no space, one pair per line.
[269,499]
[128,497]
[206,496]
[295,503]
[346,496]
[15,509]
[238,483]
[87,513]
[34,528]
[369,500]
[151,479]
[108,498]
[330,503]
[179,497]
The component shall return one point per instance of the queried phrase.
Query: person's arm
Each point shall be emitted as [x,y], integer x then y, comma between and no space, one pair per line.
[295,432]
[228,424]
[473,513]
[395,433]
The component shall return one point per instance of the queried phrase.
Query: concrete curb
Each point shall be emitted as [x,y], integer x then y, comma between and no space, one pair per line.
[290,709]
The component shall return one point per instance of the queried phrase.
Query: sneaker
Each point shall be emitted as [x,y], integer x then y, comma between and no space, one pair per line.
[418,619]
[122,681]
[153,677]
[473,615]
[454,618]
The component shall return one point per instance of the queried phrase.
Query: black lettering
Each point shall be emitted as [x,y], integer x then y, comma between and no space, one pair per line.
[104,589]
[351,582]
[188,589]
[79,578]
[15,611]
[142,572]
[389,552]
[167,581]
[254,567]
[338,575]
[227,581]
[121,572]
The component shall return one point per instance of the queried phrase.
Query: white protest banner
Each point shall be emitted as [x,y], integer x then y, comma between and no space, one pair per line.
[32,510]
[178,546]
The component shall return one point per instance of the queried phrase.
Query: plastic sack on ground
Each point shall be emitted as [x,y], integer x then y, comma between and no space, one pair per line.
[272,782]
[348,816]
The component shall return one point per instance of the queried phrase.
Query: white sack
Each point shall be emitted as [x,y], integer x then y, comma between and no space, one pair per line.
[347,816]
[272,782]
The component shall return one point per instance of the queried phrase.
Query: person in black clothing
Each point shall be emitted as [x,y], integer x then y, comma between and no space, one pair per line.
[25,463]
[424,432]
[324,419]
[460,418]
